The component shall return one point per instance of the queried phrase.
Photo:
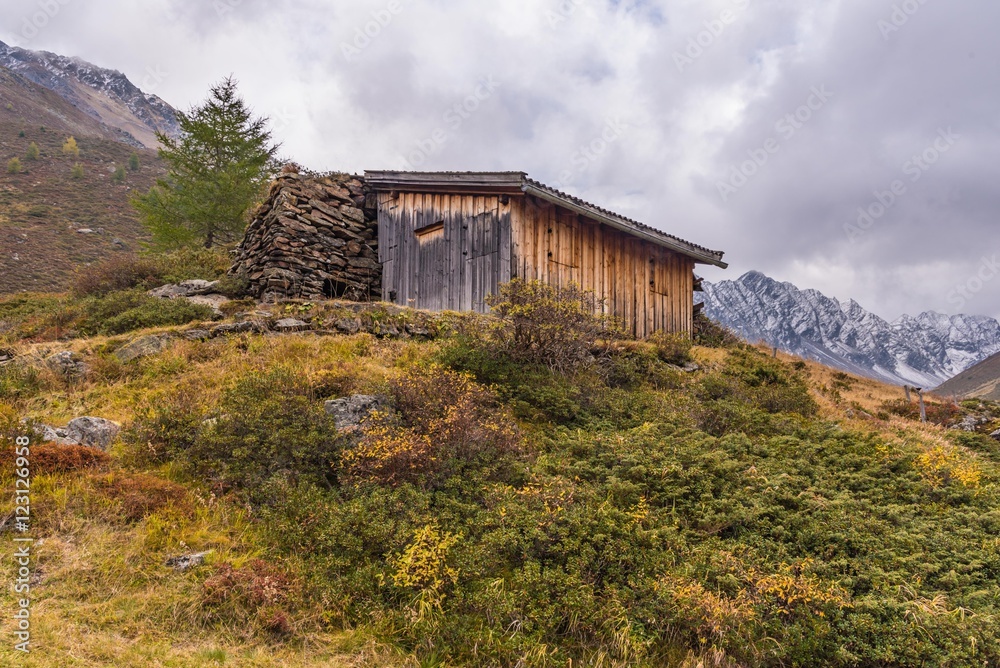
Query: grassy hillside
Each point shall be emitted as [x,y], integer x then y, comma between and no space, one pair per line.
[43,205]
[981,381]
[624,512]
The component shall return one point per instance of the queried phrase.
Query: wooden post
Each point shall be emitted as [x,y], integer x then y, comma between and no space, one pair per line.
[923,409]
[774,353]
[906,388]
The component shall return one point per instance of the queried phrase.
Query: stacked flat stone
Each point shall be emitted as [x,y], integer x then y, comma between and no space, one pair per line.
[313,238]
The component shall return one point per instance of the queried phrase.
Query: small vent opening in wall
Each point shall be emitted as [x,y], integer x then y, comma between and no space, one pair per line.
[430,232]
[334,289]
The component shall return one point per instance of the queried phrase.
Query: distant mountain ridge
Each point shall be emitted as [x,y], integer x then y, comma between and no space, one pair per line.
[106,95]
[925,350]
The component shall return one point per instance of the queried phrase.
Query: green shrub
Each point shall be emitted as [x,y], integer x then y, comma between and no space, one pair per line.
[120,312]
[534,392]
[14,166]
[710,334]
[347,537]
[234,286]
[28,315]
[133,162]
[749,389]
[77,171]
[117,273]
[33,151]
[634,364]
[161,430]
[193,263]
[119,174]
[672,348]
[541,324]
[269,430]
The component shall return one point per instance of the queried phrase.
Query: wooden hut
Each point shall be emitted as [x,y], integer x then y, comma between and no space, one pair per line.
[447,240]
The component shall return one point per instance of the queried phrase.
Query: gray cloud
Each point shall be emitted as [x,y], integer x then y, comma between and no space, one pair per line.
[695,89]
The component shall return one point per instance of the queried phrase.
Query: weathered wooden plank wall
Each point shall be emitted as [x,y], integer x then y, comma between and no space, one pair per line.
[442,251]
[643,286]
[451,251]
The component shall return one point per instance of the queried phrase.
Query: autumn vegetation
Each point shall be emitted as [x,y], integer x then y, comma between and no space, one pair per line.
[536,491]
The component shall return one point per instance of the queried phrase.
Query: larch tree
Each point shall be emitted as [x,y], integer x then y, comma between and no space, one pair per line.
[216,171]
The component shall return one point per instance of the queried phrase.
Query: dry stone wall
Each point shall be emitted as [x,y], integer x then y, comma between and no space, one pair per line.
[313,238]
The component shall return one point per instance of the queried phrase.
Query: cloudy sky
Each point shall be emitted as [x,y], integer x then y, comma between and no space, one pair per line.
[845,145]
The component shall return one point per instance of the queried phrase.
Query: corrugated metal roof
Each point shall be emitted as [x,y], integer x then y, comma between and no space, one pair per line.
[511,181]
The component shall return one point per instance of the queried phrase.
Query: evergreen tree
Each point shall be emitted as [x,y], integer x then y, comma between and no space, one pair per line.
[216,171]
[133,162]
[33,151]
[77,171]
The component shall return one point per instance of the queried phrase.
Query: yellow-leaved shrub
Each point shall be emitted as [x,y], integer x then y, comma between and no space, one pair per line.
[444,421]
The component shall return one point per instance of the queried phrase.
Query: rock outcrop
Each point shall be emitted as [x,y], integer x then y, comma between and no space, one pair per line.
[93,432]
[202,293]
[313,238]
[144,346]
[349,412]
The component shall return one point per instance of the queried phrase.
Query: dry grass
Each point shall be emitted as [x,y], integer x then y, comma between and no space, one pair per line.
[102,594]
[105,596]
[359,363]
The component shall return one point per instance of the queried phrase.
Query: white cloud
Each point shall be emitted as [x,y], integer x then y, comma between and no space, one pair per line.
[568,67]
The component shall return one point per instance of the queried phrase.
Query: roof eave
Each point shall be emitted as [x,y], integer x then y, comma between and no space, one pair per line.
[470,182]
[698,256]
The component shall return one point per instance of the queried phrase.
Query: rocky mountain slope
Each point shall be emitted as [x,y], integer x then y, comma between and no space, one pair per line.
[925,350]
[105,95]
[981,381]
[55,216]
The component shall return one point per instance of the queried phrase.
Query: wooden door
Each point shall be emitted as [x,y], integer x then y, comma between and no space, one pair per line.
[480,251]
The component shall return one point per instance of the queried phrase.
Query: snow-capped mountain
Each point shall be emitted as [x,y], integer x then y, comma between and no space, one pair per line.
[106,95]
[925,350]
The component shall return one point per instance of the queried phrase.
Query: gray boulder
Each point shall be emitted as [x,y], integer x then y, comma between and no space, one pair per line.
[349,412]
[68,364]
[197,334]
[970,422]
[238,328]
[93,431]
[290,325]
[187,561]
[386,331]
[348,326]
[996,434]
[57,435]
[212,301]
[168,292]
[197,287]
[418,331]
[144,346]
[192,288]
